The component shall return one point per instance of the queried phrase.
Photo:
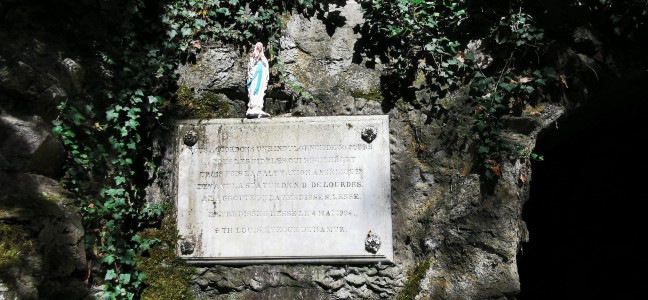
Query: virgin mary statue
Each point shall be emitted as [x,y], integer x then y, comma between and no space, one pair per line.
[257,82]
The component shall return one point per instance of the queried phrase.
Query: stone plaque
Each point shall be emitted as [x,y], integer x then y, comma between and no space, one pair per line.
[284,190]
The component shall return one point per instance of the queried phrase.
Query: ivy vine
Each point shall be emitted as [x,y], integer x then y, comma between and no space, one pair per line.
[107,136]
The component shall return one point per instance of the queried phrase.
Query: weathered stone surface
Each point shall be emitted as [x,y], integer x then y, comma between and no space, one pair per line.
[48,158]
[53,232]
[319,57]
[32,201]
[74,78]
[217,67]
[21,139]
[355,280]
[277,294]
[33,88]
[4,164]
[20,78]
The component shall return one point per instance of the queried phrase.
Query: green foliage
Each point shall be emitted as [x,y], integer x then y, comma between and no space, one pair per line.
[517,29]
[507,91]
[496,98]
[420,35]
[433,37]
[103,149]
[241,22]
[106,137]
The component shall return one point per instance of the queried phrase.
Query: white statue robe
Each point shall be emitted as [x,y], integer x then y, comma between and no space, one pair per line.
[258,75]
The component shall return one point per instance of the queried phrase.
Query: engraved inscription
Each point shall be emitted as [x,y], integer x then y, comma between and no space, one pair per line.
[228,186]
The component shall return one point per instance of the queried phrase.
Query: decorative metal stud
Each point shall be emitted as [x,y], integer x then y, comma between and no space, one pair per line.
[187,247]
[368,134]
[372,242]
[190,138]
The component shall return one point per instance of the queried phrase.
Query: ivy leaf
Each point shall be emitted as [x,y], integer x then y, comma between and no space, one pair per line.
[131,123]
[507,86]
[501,39]
[186,31]
[120,180]
[123,131]
[128,258]
[124,278]
[109,259]
[537,156]
[172,33]
[223,10]
[110,275]
[200,23]
[137,239]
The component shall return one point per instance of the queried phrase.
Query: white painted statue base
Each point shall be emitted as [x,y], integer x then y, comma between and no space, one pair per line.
[256,113]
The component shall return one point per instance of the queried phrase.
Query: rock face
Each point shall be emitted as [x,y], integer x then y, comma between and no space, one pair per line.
[42,247]
[42,252]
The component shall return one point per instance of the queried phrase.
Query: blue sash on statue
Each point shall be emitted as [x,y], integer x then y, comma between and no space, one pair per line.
[258,73]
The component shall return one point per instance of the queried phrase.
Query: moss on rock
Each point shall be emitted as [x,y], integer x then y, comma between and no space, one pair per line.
[168,277]
[204,106]
[14,245]
[371,94]
[413,286]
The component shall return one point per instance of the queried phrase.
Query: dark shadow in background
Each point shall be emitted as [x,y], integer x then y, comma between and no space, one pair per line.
[36,35]
[585,214]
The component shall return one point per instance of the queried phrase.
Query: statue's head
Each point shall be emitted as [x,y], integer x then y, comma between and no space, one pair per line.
[258,50]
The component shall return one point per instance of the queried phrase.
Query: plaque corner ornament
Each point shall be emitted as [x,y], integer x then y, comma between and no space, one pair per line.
[368,134]
[190,138]
[187,247]
[372,242]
